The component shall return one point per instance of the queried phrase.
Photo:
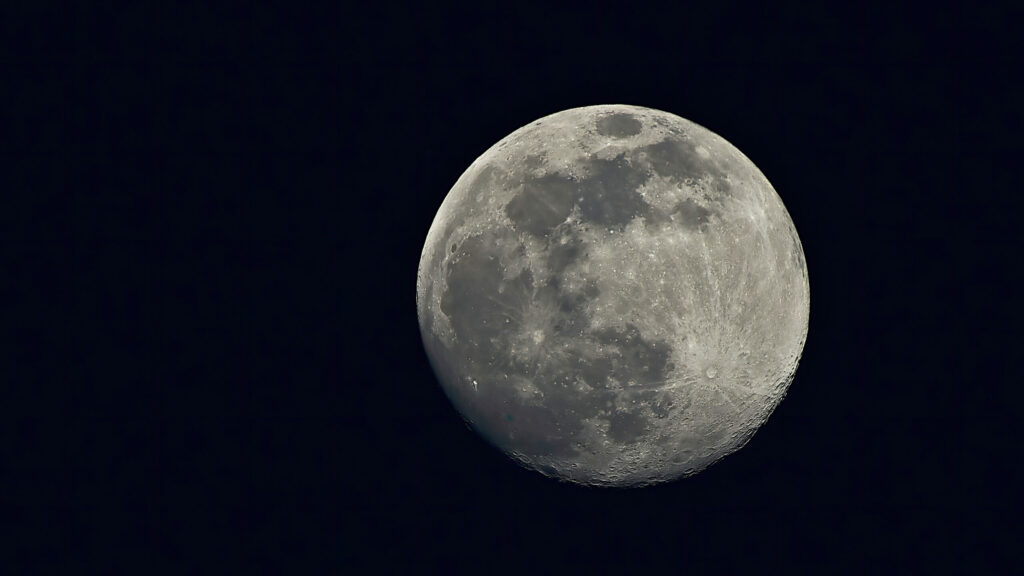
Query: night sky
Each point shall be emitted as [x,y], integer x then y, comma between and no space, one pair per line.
[217,222]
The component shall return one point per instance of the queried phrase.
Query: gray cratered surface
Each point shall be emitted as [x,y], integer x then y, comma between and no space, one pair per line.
[614,295]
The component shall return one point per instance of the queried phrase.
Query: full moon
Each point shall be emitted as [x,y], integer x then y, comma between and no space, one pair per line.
[613,295]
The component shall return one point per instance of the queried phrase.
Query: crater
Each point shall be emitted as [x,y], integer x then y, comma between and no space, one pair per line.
[619,125]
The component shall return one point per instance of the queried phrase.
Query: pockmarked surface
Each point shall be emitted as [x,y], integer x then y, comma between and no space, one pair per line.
[614,295]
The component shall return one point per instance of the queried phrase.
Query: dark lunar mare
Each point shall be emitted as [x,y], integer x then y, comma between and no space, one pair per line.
[485,310]
[619,125]
[610,195]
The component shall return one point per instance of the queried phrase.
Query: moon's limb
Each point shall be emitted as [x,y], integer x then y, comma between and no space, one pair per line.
[614,295]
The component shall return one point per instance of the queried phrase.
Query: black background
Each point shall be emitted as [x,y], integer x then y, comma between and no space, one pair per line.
[217,219]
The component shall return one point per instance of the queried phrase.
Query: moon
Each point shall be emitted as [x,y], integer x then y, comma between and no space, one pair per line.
[613,295]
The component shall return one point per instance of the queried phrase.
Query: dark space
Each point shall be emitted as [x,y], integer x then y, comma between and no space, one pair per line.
[214,218]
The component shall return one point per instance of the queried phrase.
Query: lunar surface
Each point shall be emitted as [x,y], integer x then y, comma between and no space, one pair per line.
[613,295]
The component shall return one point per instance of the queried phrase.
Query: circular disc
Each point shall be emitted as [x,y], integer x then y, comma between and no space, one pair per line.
[613,295]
